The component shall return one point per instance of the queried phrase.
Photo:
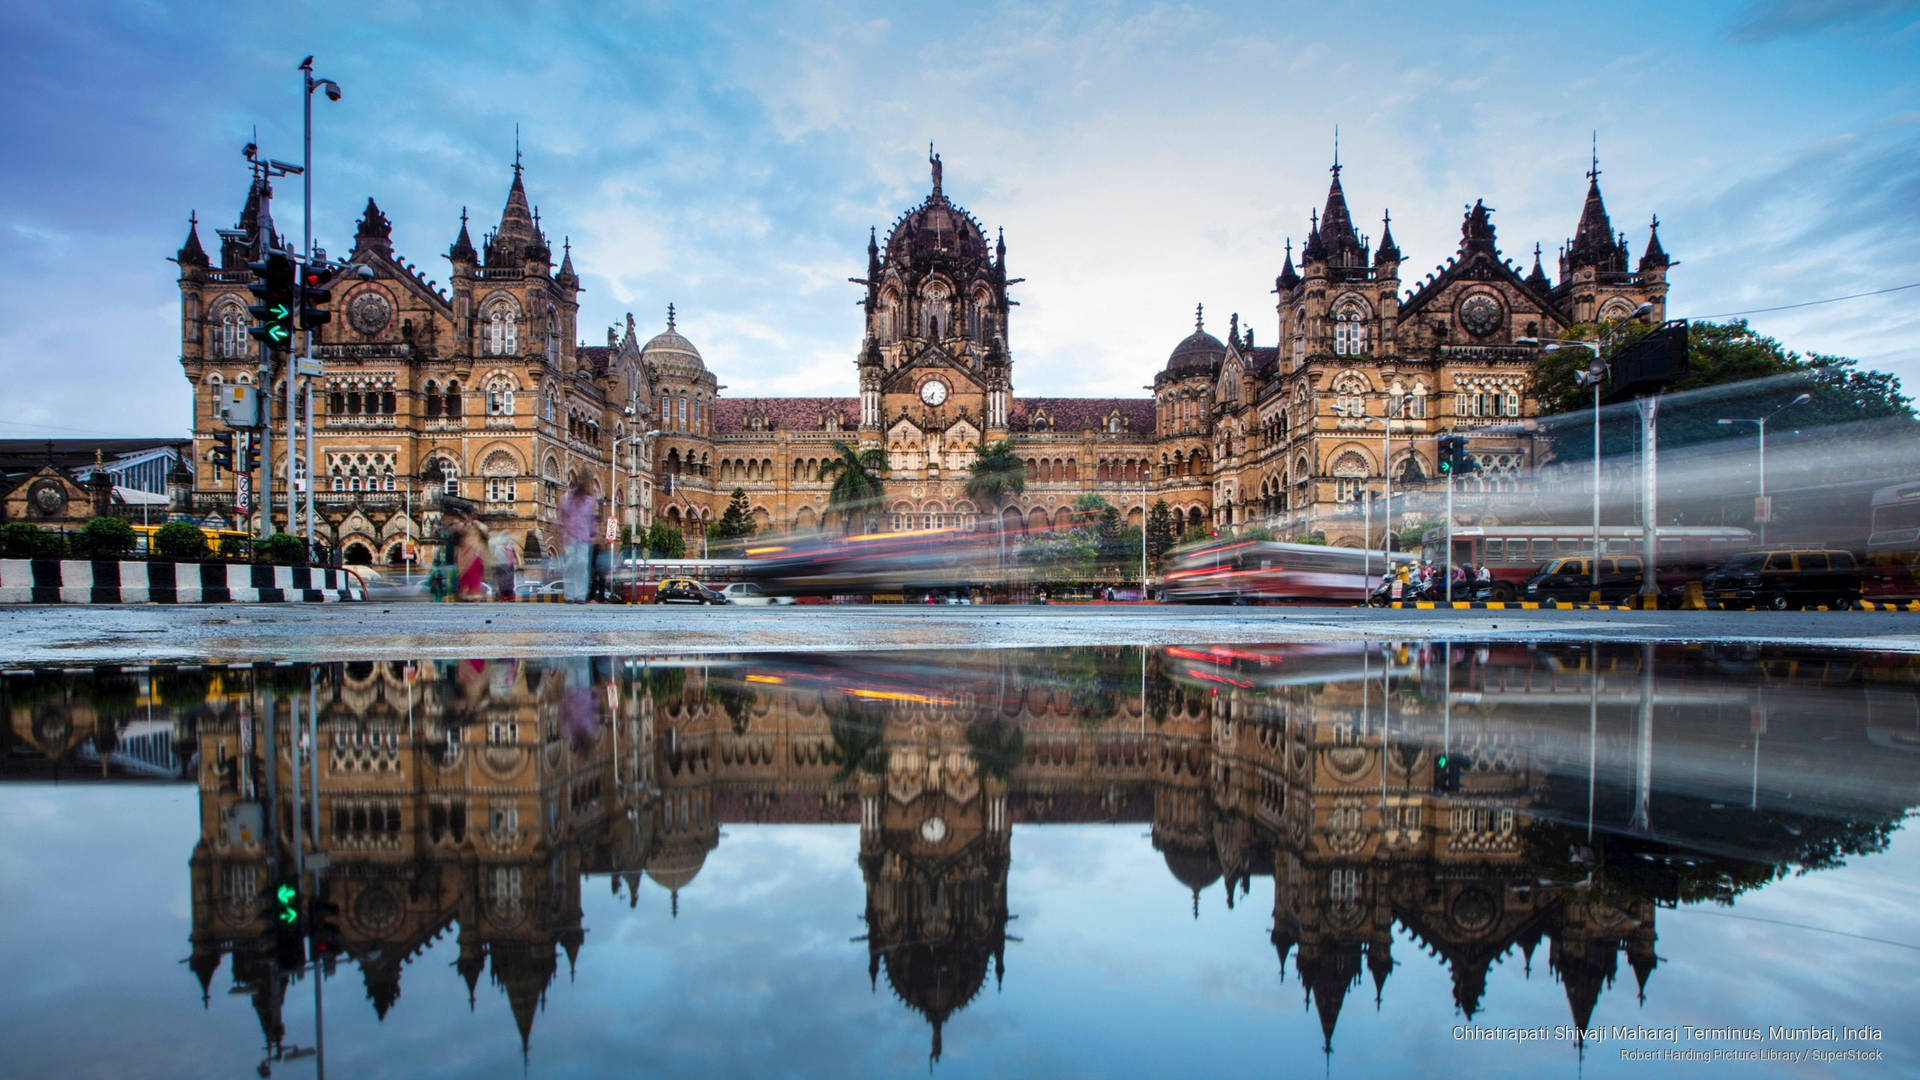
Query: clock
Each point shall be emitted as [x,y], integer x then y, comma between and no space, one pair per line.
[1480,314]
[933,392]
[933,830]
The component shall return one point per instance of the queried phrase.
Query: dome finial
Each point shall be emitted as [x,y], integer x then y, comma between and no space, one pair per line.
[1199,317]
[669,316]
[933,159]
[1336,152]
[516,150]
[1593,170]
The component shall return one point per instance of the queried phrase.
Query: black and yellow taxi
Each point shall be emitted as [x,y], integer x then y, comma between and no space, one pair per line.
[1785,578]
[681,590]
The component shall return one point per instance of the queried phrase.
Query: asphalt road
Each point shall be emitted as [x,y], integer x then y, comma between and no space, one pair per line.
[31,635]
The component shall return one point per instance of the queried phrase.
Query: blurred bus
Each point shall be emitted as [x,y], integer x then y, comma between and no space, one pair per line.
[1264,571]
[1513,553]
[884,563]
[1893,544]
[143,539]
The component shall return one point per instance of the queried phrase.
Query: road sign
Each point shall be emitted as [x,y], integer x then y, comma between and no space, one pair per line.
[1763,509]
[613,529]
[242,492]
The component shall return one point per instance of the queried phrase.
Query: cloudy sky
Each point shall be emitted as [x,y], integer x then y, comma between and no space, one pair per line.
[729,158]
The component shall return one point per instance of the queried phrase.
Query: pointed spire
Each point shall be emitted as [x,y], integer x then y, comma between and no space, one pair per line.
[566,261]
[191,253]
[1655,257]
[1314,250]
[1289,277]
[1538,277]
[1000,246]
[1199,318]
[1341,244]
[1593,242]
[510,242]
[462,249]
[670,318]
[1389,251]
[873,256]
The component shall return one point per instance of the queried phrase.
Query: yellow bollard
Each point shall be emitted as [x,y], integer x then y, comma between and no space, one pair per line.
[1695,599]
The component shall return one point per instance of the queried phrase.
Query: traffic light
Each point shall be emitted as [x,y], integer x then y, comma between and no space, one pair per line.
[1445,455]
[273,287]
[314,296]
[222,453]
[284,908]
[1446,772]
[323,917]
[249,455]
[1453,456]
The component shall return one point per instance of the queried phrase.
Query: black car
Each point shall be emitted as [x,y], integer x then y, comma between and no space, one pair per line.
[686,591]
[1571,579]
[1785,578]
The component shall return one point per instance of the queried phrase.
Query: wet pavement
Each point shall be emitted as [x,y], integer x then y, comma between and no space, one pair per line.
[343,632]
[1342,858]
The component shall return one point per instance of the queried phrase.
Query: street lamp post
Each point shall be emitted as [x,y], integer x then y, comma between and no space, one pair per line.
[305,368]
[1761,504]
[1596,372]
[1146,471]
[633,473]
[1386,475]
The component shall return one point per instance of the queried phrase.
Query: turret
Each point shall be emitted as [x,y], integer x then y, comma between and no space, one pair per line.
[191,255]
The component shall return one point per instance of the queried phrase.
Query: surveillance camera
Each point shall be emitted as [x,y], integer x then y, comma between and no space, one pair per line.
[628,411]
[333,91]
[364,273]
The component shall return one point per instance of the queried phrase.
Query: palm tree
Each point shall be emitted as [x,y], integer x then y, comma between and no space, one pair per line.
[998,478]
[857,481]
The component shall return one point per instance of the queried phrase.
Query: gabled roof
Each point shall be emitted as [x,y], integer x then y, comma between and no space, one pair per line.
[1478,260]
[730,415]
[1074,415]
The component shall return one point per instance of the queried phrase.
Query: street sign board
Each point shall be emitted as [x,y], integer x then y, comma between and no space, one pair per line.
[613,529]
[242,492]
[1645,366]
[1763,509]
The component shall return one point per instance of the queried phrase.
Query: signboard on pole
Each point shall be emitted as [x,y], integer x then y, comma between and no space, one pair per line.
[242,492]
[613,529]
[1763,508]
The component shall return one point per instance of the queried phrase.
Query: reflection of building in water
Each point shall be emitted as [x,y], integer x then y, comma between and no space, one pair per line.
[472,798]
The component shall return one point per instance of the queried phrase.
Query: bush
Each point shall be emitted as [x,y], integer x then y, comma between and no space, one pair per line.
[18,540]
[236,549]
[104,538]
[180,541]
[281,549]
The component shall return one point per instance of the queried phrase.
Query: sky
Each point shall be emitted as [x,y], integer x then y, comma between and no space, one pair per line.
[730,158]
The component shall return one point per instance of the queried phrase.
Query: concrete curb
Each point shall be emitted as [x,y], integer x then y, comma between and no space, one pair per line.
[113,581]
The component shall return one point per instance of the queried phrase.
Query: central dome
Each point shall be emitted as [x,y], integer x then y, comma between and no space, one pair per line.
[671,355]
[936,228]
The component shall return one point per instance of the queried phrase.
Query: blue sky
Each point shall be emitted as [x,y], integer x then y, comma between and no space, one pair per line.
[729,158]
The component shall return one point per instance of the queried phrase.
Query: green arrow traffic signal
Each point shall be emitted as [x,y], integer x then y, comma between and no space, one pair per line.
[286,893]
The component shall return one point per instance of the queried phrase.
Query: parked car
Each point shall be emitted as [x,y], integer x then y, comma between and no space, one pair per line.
[746,592]
[686,591]
[1571,579]
[1784,578]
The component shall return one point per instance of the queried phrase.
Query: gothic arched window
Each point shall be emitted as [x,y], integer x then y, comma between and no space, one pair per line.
[229,333]
[553,336]
[453,397]
[934,301]
[502,331]
[886,320]
[1349,329]
[500,396]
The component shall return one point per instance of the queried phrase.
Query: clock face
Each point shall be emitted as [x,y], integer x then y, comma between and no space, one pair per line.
[933,391]
[1480,314]
[933,830]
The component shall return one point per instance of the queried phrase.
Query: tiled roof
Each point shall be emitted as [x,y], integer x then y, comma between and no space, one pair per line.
[597,358]
[730,415]
[1080,414]
[1264,359]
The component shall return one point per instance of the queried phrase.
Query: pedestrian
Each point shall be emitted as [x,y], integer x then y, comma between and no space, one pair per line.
[472,554]
[506,562]
[579,508]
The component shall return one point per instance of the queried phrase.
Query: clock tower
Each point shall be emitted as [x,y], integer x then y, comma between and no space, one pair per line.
[935,376]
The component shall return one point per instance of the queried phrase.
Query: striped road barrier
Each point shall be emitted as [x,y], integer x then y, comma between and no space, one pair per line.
[114,581]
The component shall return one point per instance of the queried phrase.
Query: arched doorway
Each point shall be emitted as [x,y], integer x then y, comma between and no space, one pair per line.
[357,554]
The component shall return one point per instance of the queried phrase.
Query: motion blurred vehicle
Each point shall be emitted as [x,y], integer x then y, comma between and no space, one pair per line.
[746,592]
[1785,578]
[1572,580]
[907,563]
[1516,553]
[1265,572]
[686,591]
[1892,571]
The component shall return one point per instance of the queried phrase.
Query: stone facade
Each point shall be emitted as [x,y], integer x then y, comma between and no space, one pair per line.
[484,379]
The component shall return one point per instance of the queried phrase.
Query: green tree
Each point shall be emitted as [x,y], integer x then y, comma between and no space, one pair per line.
[281,549]
[736,523]
[19,540]
[1161,531]
[858,483]
[1731,371]
[665,543]
[180,541]
[104,537]
[997,478]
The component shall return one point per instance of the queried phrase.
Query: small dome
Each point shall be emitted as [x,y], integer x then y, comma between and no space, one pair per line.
[672,355]
[1200,353]
[676,865]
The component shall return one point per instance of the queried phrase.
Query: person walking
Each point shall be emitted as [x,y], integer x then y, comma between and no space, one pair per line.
[473,557]
[579,508]
[505,563]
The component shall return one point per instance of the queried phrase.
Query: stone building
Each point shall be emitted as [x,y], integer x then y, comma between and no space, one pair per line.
[483,390]
[477,390]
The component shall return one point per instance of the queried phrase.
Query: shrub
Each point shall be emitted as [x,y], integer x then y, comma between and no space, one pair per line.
[104,538]
[281,549]
[18,540]
[236,549]
[180,541]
